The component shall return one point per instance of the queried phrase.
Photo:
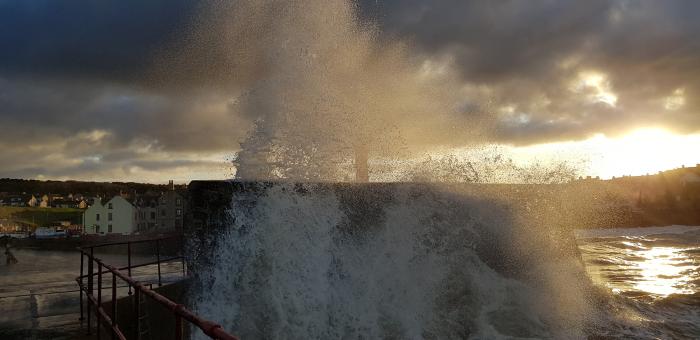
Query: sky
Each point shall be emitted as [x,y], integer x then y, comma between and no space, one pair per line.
[145,90]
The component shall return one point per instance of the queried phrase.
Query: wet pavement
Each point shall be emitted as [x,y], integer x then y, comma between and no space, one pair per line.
[39,297]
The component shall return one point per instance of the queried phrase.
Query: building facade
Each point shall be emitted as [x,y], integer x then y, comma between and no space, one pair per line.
[145,213]
[171,211]
[116,216]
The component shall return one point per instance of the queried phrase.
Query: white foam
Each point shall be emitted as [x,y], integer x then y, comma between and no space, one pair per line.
[292,267]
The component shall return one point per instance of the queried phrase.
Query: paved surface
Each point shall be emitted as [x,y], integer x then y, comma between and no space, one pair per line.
[40,315]
[39,297]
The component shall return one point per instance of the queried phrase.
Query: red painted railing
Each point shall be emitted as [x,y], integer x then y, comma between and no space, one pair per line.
[109,320]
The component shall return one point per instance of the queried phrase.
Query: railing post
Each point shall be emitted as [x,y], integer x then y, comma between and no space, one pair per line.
[89,293]
[82,257]
[99,298]
[128,259]
[182,254]
[178,327]
[158,260]
[137,312]
[114,304]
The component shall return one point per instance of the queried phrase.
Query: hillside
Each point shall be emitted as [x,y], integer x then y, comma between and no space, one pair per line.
[40,217]
[17,186]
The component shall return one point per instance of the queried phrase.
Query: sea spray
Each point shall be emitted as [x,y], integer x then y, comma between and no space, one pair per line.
[403,261]
[315,84]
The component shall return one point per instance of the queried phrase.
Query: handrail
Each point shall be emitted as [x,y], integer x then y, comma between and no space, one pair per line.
[99,245]
[209,328]
[169,259]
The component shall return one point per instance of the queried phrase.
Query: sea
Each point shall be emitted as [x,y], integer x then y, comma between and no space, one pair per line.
[653,273]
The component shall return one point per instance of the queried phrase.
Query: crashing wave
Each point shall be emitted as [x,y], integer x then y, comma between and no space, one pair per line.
[390,261]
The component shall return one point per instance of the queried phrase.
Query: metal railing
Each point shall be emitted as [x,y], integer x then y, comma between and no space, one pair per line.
[109,320]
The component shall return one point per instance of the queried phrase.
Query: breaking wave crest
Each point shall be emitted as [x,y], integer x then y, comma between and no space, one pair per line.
[391,261]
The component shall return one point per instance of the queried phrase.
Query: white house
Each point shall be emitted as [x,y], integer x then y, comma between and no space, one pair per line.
[33,202]
[117,216]
[93,218]
[44,202]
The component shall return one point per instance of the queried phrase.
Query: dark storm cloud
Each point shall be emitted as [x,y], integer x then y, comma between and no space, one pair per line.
[93,81]
[529,50]
[105,39]
[64,108]
[497,39]
[77,98]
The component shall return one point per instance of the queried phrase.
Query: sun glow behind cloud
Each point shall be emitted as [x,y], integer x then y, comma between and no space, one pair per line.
[640,152]
[596,87]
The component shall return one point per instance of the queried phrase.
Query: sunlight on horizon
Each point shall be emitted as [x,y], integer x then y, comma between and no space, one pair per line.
[639,152]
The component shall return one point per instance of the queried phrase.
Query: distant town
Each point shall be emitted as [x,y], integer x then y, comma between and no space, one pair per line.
[676,189]
[56,209]
[53,209]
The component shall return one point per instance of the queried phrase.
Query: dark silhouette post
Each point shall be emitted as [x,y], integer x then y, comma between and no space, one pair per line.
[11,259]
[361,166]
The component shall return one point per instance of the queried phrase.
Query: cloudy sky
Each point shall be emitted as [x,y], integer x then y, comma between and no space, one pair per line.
[138,90]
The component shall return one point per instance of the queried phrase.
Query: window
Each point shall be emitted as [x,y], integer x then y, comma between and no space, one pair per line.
[97,217]
[109,206]
[109,228]
[178,212]
[109,216]
[97,229]
[153,215]
[162,213]
[178,201]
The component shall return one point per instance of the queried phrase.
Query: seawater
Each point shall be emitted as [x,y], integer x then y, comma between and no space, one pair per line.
[652,273]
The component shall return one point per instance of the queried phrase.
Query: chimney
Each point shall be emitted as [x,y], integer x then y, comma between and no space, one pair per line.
[172,185]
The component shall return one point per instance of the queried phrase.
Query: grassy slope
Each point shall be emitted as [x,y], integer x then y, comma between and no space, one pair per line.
[41,217]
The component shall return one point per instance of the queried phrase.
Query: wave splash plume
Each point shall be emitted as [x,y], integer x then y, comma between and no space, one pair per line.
[393,261]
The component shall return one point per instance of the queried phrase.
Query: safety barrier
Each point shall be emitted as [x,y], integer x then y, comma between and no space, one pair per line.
[140,290]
